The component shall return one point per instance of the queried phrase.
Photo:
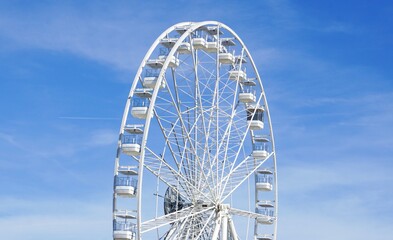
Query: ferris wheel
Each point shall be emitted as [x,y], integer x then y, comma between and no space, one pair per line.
[196,156]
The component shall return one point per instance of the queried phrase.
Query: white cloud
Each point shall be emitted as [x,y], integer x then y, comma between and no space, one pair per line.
[103,137]
[305,177]
[54,219]
[8,138]
[343,198]
[305,224]
[101,38]
[338,27]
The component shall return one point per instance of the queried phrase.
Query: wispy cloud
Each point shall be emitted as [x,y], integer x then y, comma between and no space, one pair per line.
[346,196]
[103,137]
[102,38]
[8,139]
[316,224]
[337,173]
[338,27]
[54,219]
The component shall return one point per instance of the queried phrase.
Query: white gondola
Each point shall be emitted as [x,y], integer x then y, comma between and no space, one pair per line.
[240,59]
[131,142]
[259,154]
[247,94]
[126,191]
[151,78]
[264,237]
[123,230]
[226,58]
[125,214]
[228,42]
[140,103]
[139,111]
[184,48]
[173,62]
[199,43]
[260,148]
[150,82]
[264,186]
[155,63]
[168,42]
[237,74]
[134,128]
[128,170]
[159,63]
[211,47]
[125,186]
[264,183]
[212,30]
[264,171]
[181,29]
[265,219]
[265,204]
[123,235]
[255,117]
[131,149]
[266,214]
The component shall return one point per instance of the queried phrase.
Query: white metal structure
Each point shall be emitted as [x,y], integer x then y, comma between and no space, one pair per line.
[188,165]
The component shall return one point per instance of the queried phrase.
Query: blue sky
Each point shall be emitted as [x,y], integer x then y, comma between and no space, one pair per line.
[66,69]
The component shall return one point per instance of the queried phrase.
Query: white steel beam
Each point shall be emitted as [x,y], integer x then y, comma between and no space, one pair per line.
[172,218]
[232,229]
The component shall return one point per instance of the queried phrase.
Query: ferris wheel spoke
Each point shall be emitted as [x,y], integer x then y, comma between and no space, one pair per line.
[178,141]
[240,174]
[203,177]
[174,217]
[177,227]
[187,165]
[171,138]
[226,145]
[165,173]
[208,74]
[200,113]
[185,162]
[175,179]
[173,143]
[235,157]
[228,107]
[209,136]
[185,134]
[227,134]
[206,157]
[244,213]
[165,133]
[198,227]
[180,230]
[208,222]
[231,144]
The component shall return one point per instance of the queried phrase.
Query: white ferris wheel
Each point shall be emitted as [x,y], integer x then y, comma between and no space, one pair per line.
[196,156]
